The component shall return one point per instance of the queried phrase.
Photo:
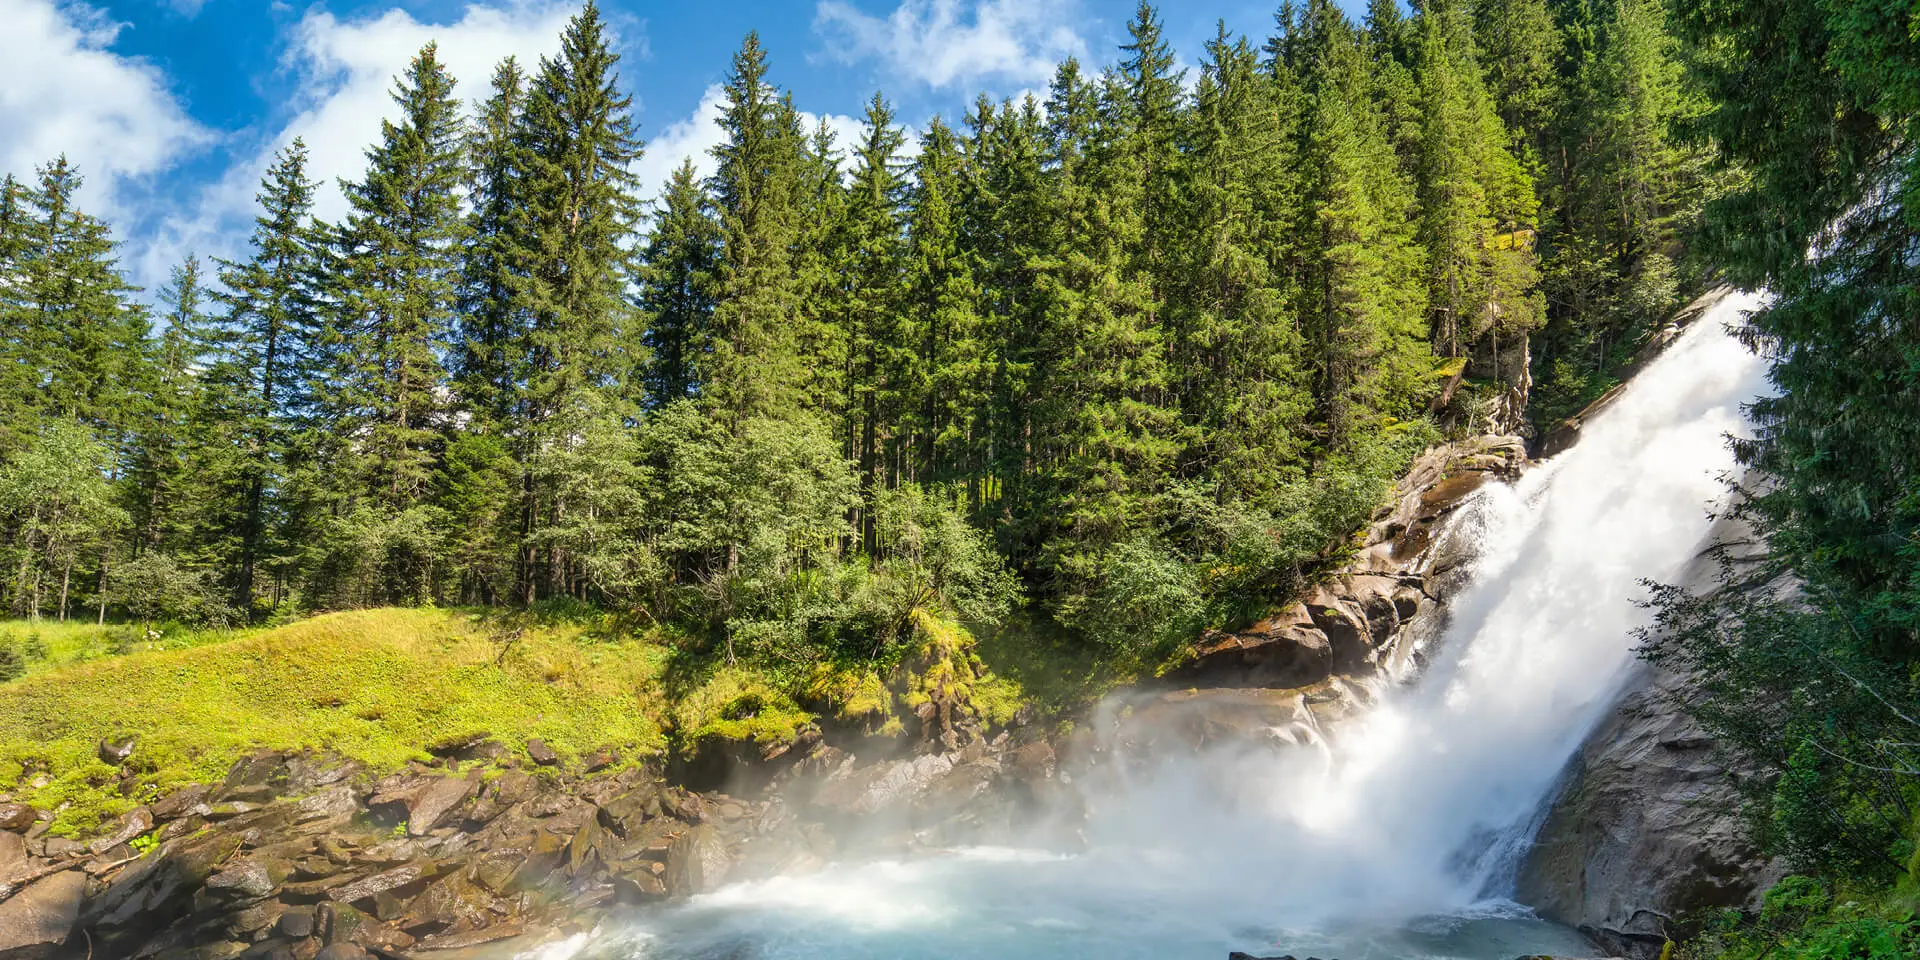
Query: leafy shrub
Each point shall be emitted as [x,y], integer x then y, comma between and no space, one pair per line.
[156,586]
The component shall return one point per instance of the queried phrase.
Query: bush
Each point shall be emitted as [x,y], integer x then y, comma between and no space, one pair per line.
[12,665]
[157,587]
[36,648]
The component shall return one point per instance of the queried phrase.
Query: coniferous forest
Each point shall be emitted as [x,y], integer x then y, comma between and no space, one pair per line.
[1127,360]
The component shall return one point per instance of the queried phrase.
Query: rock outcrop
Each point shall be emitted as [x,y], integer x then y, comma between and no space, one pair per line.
[1376,614]
[1647,825]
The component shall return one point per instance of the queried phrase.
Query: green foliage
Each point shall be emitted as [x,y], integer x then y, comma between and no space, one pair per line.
[1816,102]
[1805,919]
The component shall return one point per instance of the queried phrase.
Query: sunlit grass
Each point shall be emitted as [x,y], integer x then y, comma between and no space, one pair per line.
[377,686]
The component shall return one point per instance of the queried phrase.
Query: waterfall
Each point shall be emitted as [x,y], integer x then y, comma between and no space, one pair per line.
[1397,839]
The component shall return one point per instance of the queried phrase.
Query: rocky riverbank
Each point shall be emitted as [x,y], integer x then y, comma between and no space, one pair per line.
[493,845]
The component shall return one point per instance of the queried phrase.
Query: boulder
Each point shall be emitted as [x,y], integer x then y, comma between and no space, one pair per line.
[697,862]
[13,853]
[114,752]
[17,817]
[540,753]
[1285,650]
[37,920]
[1349,637]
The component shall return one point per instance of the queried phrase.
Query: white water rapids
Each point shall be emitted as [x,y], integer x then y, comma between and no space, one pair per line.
[1398,841]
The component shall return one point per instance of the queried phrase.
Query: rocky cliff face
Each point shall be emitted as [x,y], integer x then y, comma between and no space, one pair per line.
[1646,827]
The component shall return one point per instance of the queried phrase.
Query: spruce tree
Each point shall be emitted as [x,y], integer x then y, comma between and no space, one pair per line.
[1237,350]
[879,348]
[489,358]
[942,298]
[162,501]
[573,268]
[400,265]
[81,334]
[265,359]
[1363,296]
[679,273]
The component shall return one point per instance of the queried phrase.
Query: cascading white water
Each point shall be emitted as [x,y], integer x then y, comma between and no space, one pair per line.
[1392,843]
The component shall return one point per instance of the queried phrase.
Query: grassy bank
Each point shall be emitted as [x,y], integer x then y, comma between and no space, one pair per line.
[378,686]
[384,686]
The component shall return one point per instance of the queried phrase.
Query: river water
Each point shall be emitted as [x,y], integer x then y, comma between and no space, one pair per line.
[1399,840]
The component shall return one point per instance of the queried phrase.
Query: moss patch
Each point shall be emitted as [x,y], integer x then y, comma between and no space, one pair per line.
[376,686]
[738,703]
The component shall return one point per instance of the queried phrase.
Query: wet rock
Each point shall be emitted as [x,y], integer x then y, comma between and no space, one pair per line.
[255,918]
[697,862]
[36,921]
[343,951]
[247,880]
[1647,826]
[159,886]
[17,817]
[453,901]
[296,923]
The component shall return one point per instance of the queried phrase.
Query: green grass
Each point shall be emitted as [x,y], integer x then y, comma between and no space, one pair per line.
[376,686]
[79,641]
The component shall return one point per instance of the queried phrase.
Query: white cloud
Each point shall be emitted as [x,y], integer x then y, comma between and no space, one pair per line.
[947,43]
[63,90]
[345,72]
[692,138]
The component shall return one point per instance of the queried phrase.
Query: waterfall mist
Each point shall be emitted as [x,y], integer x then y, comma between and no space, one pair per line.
[1397,836]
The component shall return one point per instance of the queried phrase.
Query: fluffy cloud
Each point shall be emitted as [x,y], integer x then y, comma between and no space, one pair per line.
[692,138]
[950,43]
[63,90]
[344,72]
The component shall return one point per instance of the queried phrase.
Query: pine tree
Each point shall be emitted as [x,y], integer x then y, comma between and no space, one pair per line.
[942,298]
[489,358]
[756,365]
[400,265]
[879,348]
[80,333]
[573,268]
[678,273]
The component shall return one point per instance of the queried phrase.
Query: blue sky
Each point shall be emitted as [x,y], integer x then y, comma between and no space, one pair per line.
[172,108]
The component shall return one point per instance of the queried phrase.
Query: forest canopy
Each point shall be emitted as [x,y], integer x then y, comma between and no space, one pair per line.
[1129,358]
